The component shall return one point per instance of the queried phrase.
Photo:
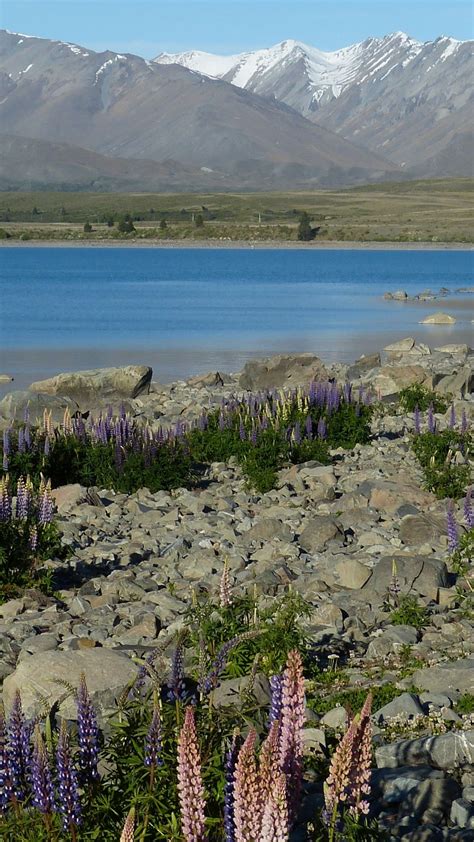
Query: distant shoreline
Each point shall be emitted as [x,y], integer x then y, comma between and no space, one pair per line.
[239,244]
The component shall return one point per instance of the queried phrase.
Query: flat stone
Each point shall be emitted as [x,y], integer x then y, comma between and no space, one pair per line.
[36,677]
[451,675]
[269,529]
[282,370]
[66,496]
[101,383]
[400,347]
[416,574]
[352,574]
[14,404]
[422,529]
[462,813]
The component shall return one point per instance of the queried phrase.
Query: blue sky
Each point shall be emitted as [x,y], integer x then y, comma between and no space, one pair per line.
[147,27]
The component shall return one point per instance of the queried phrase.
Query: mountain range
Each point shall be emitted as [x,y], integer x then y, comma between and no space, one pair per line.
[287,117]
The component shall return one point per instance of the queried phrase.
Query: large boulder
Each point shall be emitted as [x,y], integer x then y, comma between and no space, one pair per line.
[98,384]
[365,363]
[318,532]
[45,676]
[282,370]
[458,383]
[14,404]
[422,529]
[391,379]
[446,677]
[416,575]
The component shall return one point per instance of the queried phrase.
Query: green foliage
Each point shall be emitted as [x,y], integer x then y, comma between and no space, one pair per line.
[163,225]
[421,397]
[437,455]
[305,231]
[353,699]
[465,705]
[461,562]
[199,220]
[87,228]
[125,225]
[409,613]
[19,563]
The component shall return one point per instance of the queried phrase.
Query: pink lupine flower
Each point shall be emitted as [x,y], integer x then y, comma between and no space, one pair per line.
[128,832]
[275,821]
[349,771]
[292,722]
[190,786]
[362,761]
[225,596]
[248,806]
[269,761]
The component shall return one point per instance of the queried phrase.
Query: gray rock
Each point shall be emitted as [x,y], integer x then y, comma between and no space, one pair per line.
[39,677]
[230,692]
[363,365]
[422,529]
[318,532]
[406,705]
[432,801]
[352,574]
[335,718]
[451,675]
[268,529]
[14,404]
[452,750]
[416,574]
[462,813]
[438,319]
[282,370]
[98,384]
[459,383]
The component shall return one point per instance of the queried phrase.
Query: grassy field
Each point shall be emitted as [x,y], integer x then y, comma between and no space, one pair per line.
[419,211]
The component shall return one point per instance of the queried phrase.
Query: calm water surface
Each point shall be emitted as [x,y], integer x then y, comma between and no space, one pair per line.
[191,310]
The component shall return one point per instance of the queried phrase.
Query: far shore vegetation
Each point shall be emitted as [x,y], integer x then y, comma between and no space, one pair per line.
[429,211]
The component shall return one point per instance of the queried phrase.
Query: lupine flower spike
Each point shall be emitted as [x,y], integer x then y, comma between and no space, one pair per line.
[292,721]
[225,597]
[68,795]
[6,788]
[41,783]
[248,807]
[275,822]
[153,739]
[88,734]
[230,763]
[190,787]
[452,528]
[128,832]
[394,586]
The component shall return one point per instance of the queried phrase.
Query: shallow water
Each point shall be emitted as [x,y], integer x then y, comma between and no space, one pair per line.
[186,311]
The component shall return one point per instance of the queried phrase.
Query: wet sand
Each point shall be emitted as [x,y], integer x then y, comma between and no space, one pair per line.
[237,244]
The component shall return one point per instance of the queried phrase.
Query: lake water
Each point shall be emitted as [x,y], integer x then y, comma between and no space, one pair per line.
[186,310]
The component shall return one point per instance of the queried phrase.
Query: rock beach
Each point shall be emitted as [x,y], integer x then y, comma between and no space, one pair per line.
[330,532]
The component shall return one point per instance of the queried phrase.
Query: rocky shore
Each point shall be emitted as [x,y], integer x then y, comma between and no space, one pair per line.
[328,532]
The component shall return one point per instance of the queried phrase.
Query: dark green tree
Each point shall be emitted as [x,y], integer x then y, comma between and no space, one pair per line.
[126,225]
[199,220]
[305,231]
[87,228]
[163,225]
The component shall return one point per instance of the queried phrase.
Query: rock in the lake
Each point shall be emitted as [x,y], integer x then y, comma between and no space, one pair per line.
[438,319]
[282,370]
[98,384]
[38,677]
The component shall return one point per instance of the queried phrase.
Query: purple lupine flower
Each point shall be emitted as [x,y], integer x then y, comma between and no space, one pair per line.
[417,420]
[242,433]
[6,787]
[5,500]
[46,504]
[296,434]
[47,447]
[222,424]
[452,528]
[431,419]
[69,804]
[33,539]
[26,414]
[322,429]
[312,393]
[229,772]
[22,500]
[190,787]
[348,392]
[21,440]
[87,733]
[175,685]
[41,782]
[19,749]
[464,424]
[452,417]
[253,436]
[309,427]
[276,686]
[6,442]
[153,744]
[210,681]
[468,512]
[27,437]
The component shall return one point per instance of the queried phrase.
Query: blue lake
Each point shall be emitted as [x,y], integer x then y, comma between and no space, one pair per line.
[187,310]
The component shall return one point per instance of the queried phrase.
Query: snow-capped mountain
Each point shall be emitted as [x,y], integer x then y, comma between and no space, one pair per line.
[309,75]
[396,95]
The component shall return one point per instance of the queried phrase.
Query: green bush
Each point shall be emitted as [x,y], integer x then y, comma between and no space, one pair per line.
[421,397]
[409,613]
[436,453]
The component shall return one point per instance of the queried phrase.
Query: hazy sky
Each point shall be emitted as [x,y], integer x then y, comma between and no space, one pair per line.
[148,27]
